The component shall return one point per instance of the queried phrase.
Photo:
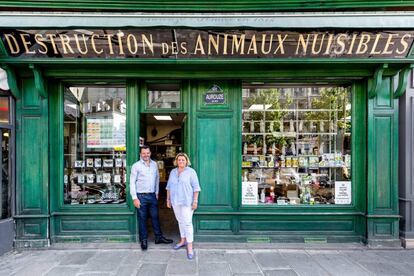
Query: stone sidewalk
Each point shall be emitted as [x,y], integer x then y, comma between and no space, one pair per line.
[211,259]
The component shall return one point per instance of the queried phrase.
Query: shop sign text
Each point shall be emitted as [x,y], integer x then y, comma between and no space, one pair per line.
[190,43]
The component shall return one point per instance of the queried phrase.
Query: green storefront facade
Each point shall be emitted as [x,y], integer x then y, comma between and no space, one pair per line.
[212,132]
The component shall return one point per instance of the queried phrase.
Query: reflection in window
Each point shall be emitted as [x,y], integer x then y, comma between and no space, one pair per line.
[5,183]
[4,110]
[94,145]
[296,145]
[163,95]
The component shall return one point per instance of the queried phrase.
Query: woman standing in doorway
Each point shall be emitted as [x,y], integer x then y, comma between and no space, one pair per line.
[182,195]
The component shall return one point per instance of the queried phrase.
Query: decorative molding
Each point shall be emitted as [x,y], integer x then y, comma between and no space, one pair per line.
[377,81]
[39,81]
[357,20]
[402,81]
[12,80]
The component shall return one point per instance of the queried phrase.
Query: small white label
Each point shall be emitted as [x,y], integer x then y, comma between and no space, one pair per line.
[343,192]
[250,194]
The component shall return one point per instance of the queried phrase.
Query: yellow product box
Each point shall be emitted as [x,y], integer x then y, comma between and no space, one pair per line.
[288,162]
[246,164]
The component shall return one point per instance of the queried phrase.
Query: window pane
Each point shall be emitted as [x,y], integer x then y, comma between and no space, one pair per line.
[296,145]
[163,95]
[94,145]
[4,110]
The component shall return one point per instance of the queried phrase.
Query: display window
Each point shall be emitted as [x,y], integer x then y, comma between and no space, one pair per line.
[296,145]
[94,145]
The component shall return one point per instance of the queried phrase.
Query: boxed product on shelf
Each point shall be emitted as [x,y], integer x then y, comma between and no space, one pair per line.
[163,174]
[303,161]
[313,161]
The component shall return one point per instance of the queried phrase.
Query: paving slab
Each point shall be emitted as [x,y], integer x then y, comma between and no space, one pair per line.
[213,269]
[280,272]
[242,263]
[35,269]
[63,271]
[157,256]
[152,270]
[337,263]
[132,257]
[302,263]
[236,260]
[212,256]
[188,267]
[105,261]
[366,256]
[382,268]
[127,270]
[77,258]
[399,256]
[271,260]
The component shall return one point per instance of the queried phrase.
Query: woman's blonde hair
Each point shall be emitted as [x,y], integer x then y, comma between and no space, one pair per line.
[185,156]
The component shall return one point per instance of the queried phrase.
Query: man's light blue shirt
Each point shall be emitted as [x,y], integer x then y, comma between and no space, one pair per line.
[144,178]
[183,186]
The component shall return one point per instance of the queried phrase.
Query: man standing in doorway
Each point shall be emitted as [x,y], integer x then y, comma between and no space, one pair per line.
[144,188]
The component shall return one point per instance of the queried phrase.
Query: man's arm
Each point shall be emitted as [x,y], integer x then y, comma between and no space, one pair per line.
[132,180]
[157,180]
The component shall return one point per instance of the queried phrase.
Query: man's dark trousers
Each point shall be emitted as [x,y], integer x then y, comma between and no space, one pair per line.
[149,204]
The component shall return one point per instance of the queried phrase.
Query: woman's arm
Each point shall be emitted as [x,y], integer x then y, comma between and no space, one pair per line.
[195,200]
[168,199]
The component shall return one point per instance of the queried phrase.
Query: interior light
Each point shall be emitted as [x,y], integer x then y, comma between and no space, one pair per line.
[259,106]
[6,134]
[163,117]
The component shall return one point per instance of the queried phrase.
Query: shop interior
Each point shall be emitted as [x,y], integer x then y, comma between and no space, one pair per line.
[164,133]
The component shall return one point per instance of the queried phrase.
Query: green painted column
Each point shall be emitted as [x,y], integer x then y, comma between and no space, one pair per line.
[32,200]
[382,188]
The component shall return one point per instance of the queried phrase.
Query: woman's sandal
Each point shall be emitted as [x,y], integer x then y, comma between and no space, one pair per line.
[190,256]
[178,246]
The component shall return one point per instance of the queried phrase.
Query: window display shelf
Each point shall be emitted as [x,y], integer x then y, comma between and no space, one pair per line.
[300,151]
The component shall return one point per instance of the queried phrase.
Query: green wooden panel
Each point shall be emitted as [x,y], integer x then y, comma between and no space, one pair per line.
[98,224]
[359,145]
[32,180]
[383,158]
[215,164]
[56,146]
[382,185]
[214,224]
[30,96]
[211,5]
[31,229]
[383,229]
[303,224]
[79,226]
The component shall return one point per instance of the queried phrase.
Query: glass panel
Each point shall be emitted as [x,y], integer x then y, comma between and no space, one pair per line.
[5,188]
[296,145]
[94,145]
[4,110]
[163,95]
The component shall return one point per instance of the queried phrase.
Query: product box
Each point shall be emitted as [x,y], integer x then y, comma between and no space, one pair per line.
[163,174]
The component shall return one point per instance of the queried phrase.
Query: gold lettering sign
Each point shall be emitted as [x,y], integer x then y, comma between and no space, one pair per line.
[190,43]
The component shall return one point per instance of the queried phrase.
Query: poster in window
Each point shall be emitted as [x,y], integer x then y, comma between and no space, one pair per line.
[106,132]
[343,192]
[250,193]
